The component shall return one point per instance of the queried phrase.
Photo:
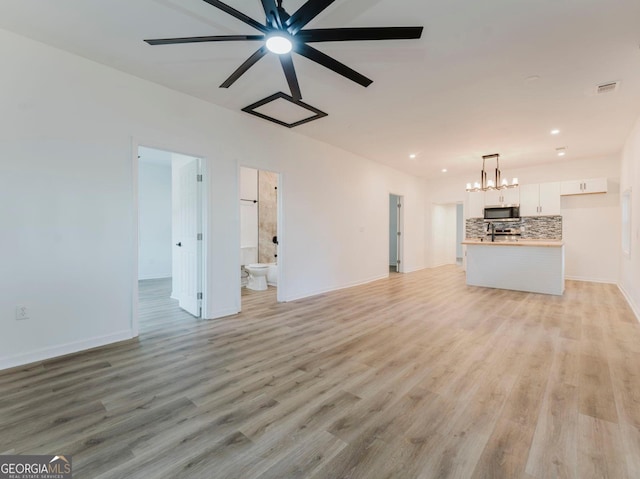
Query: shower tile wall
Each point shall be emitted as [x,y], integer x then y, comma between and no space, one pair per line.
[267,216]
[533,227]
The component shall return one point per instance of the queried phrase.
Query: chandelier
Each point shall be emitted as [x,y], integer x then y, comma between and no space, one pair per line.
[497,183]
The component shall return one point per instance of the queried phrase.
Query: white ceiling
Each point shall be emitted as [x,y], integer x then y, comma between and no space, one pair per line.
[487,76]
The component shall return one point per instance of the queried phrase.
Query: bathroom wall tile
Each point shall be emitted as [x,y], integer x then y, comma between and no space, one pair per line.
[267,216]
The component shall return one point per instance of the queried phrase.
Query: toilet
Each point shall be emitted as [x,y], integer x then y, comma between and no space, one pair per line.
[257,276]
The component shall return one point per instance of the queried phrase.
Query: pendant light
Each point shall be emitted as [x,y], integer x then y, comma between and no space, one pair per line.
[497,183]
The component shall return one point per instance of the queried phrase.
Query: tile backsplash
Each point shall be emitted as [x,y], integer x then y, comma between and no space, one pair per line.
[532,227]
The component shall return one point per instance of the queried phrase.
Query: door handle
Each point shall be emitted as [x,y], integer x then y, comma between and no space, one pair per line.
[179,244]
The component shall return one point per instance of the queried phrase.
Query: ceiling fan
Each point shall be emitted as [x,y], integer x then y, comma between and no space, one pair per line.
[283,33]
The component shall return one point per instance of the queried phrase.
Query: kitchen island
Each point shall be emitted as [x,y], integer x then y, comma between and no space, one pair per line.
[535,266]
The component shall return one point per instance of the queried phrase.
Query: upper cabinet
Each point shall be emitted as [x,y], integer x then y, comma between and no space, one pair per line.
[529,200]
[550,198]
[477,200]
[540,200]
[508,196]
[584,187]
[511,196]
[474,204]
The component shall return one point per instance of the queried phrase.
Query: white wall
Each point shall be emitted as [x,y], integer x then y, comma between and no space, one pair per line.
[69,134]
[591,233]
[459,230]
[154,230]
[630,179]
[591,223]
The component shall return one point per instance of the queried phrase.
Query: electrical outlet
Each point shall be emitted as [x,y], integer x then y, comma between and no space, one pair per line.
[22,312]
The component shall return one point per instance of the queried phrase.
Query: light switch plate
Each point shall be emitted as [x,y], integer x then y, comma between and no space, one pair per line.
[22,312]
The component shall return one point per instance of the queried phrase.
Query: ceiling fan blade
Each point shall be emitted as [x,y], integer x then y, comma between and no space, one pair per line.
[354,34]
[216,38]
[290,73]
[305,14]
[237,14]
[332,64]
[272,13]
[252,60]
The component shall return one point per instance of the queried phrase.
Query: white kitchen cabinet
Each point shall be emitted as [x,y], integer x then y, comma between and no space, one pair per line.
[474,205]
[584,187]
[492,197]
[533,266]
[508,196]
[511,196]
[550,199]
[540,199]
[529,200]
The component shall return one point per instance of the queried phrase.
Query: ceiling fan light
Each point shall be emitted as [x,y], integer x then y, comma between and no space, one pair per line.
[279,44]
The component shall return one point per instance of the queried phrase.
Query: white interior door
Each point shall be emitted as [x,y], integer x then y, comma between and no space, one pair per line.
[400,233]
[395,232]
[187,247]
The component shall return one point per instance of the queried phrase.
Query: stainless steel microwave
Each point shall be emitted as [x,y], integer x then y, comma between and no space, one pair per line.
[502,213]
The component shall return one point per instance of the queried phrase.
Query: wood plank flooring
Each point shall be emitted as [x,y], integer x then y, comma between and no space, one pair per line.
[417,376]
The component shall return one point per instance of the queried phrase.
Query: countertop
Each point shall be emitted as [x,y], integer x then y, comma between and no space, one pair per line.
[524,242]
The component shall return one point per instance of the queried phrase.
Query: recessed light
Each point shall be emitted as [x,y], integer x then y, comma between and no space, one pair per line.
[555,132]
[531,80]
[444,170]
[412,156]
[561,151]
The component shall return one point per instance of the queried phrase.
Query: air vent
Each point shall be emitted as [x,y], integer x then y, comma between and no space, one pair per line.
[607,87]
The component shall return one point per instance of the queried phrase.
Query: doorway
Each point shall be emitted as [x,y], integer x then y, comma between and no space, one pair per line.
[445,221]
[170,239]
[459,233]
[395,234]
[259,235]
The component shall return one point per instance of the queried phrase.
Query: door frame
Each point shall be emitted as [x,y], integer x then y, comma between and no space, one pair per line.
[280,289]
[204,221]
[460,221]
[400,244]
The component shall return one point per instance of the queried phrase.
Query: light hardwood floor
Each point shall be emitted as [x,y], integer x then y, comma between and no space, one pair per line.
[417,376]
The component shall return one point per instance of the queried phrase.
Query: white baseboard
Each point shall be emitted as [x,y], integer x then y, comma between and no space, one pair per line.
[221,313]
[634,307]
[297,296]
[63,349]
[590,280]
[414,269]
[442,264]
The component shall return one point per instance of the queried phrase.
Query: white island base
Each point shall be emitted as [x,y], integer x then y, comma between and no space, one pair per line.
[528,265]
